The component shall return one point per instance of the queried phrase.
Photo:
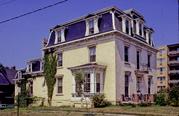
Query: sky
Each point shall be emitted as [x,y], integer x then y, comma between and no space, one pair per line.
[21,39]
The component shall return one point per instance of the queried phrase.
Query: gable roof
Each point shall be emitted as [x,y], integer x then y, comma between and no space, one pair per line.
[6,80]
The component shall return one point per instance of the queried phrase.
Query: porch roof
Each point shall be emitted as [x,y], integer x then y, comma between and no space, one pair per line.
[88,65]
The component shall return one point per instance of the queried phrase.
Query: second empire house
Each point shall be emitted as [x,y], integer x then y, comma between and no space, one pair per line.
[113,48]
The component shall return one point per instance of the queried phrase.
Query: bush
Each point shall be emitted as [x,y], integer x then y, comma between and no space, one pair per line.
[145,104]
[99,101]
[174,96]
[161,98]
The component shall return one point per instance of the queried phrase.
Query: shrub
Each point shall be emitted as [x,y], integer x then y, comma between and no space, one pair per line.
[174,96]
[145,104]
[161,98]
[99,101]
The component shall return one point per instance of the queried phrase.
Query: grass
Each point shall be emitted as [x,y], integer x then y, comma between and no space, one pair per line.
[69,111]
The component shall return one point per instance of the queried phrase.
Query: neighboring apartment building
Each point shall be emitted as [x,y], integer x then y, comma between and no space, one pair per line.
[7,87]
[168,66]
[162,68]
[113,48]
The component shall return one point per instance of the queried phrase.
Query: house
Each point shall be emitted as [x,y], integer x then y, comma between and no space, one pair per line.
[7,87]
[168,66]
[114,50]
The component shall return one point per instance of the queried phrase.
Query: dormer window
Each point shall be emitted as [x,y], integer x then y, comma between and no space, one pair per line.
[59,36]
[140,29]
[149,38]
[91,26]
[127,26]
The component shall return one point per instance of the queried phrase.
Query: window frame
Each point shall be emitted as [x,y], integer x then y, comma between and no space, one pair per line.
[57,85]
[92,54]
[91,26]
[61,61]
[126,53]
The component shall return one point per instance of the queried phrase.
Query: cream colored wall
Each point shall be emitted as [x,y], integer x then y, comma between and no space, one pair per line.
[71,58]
[105,55]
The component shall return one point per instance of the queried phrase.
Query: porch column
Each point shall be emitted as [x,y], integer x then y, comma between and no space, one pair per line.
[101,82]
[73,85]
[92,82]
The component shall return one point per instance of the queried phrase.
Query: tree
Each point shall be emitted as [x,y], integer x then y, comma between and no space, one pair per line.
[50,64]
[174,96]
[79,79]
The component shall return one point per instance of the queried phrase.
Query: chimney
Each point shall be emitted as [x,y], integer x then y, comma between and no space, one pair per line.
[13,67]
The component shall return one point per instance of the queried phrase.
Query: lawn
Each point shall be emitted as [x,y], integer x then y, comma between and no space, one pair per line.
[64,111]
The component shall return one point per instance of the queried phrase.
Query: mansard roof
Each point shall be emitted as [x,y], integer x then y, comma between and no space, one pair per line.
[76,29]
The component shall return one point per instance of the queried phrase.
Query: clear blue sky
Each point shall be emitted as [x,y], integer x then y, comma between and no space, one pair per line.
[21,38]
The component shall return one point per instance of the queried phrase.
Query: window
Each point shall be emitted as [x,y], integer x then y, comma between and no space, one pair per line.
[126,53]
[149,38]
[149,85]
[138,59]
[139,80]
[59,85]
[87,83]
[92,54]
[59,36]
[91,26]
[98,82]
[161,69]
[60,60]
[140,29]
[148,60]
[127,26]
[126,85]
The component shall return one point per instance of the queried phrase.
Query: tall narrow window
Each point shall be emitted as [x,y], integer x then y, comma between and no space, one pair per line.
[149,85]
[59,36]
[91,26]
[87,83]
[148,60]
[149,38]
[140,29]
[134,26]
[126,53]
[138,84]
[92,54]
[126,85]
[127,26]
[98,82]
[138,59]
[60,59]
[59,85]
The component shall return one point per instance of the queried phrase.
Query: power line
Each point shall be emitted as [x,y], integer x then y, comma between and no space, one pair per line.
[31,12]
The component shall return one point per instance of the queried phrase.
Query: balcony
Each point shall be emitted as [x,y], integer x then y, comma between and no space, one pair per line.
[173,53]
[144,69]
[173,81]
[174,72]
[174,62]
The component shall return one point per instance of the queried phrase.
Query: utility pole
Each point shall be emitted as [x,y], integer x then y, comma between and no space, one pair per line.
[178,21]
